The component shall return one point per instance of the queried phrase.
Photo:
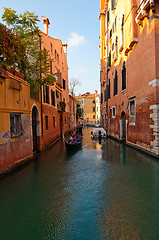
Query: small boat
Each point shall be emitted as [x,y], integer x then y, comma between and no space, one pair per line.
[98,133]
[71,146]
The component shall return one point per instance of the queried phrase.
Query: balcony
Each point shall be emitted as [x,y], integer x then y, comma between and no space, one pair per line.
[143,10]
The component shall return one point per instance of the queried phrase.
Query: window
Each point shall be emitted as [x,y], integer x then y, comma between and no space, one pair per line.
[59,77]
[46,122]
[64,84]
[113,4]
[132,112]
[110,33]
[53,121]
[108,17]
[56,73]
[123,76]
[116,83]
[93,116]
[101,98]
[46,94]
[93,109]
[122,30]
[93,101]
[16,128]
[51,47]
[65,119]
[52,98]
[113,112]
[105,96]
[115,22]
[57,57]
[116,46]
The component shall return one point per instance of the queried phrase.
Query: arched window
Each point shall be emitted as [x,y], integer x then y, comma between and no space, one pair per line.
[115,83]
[123,76]
[122,30]
[116,46]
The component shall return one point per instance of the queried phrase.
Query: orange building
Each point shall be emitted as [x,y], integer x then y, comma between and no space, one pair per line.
[129,47]
[55,98]
[26,123]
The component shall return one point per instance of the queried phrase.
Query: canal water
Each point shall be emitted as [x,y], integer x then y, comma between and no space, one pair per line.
[105,190]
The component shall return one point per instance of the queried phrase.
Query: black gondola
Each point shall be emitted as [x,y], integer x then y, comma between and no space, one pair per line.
[71,146]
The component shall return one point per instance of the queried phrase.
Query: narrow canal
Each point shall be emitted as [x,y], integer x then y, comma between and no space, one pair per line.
[103,191]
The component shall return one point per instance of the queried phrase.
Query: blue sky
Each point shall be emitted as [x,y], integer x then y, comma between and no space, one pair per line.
[75,23]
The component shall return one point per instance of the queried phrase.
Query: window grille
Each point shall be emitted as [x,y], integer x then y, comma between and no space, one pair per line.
[16,128]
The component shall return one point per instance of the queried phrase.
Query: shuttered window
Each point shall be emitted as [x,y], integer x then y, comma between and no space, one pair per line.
[64,84]
[52,97]
[46,94]
[123,76]
[116,83]
[101,98]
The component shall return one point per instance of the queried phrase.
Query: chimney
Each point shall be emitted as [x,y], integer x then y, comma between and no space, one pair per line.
[45,24]
[65,48]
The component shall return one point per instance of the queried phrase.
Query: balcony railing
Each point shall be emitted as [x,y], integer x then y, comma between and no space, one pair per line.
[143,9]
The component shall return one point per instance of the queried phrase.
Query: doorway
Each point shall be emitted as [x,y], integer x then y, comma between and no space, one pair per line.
[123,126]
[35,129]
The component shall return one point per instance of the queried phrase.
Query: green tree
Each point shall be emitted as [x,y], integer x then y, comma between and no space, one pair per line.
[11,48]
[79,110]
[34,62]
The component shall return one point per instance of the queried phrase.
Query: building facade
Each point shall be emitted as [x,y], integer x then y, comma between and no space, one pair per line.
[55,98]
[28,125]
[15,120]
[90,103]
[129,46]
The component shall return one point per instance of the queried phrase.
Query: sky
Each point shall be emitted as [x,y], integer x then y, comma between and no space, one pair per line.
[76,23]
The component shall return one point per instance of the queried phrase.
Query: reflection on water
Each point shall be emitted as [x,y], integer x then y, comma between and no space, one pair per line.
[104,190]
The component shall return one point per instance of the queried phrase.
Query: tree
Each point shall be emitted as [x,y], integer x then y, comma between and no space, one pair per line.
[72,84]
[11,48]
[34,62]
[79,110]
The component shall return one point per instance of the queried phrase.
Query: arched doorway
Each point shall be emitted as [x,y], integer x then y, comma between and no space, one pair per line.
[123,126]
[35,129]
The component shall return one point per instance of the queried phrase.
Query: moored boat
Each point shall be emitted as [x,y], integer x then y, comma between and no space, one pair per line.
[98,133]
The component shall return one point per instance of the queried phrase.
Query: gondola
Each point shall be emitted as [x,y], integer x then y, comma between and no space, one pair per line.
[71,146]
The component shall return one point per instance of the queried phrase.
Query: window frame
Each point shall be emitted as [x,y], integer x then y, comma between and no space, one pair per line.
[114,112]
[16,128]
[132,117]
[46,123]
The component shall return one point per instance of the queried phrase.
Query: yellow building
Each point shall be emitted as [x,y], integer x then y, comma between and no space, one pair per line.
[16,113]
[90,103]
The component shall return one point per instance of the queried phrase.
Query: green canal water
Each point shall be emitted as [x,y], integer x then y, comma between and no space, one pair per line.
[105,190]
